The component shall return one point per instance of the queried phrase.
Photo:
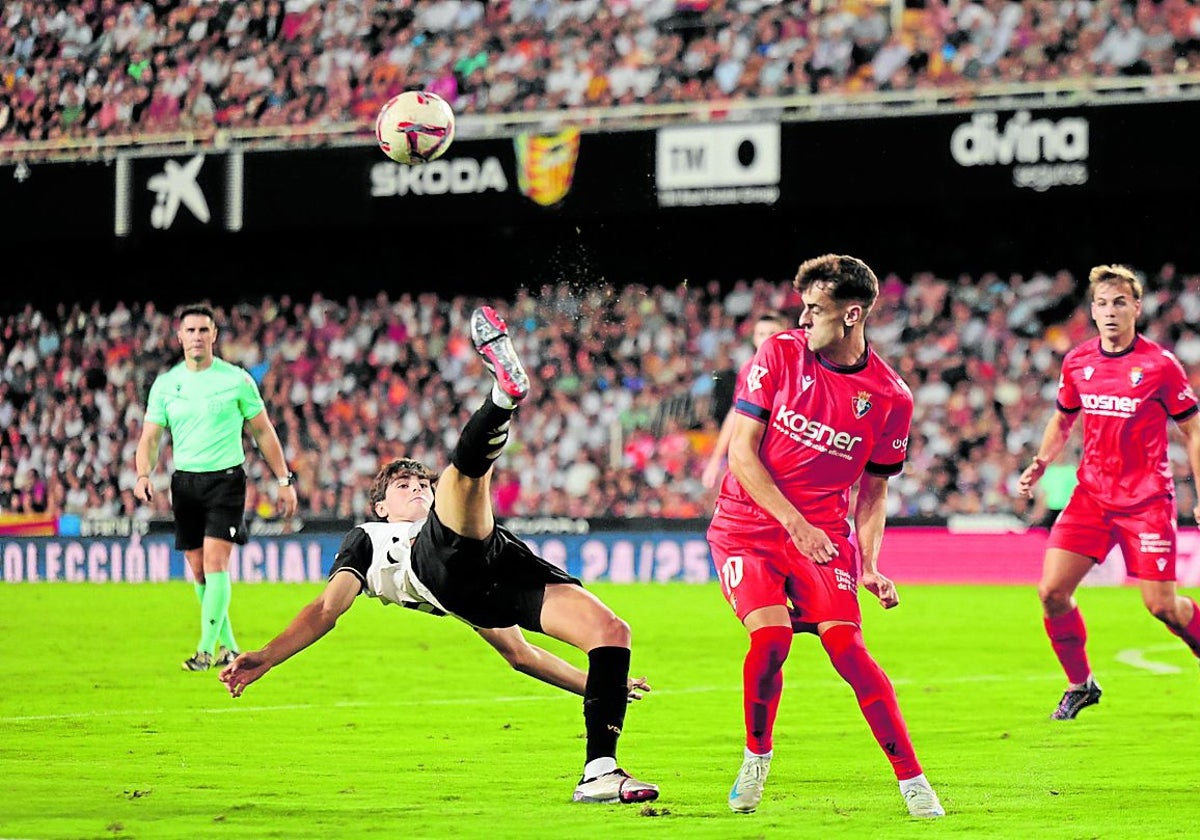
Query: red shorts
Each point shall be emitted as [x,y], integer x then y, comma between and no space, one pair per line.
[759,566]
[1146,536]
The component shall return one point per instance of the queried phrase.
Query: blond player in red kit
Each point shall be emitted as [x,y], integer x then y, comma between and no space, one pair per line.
[1126,387]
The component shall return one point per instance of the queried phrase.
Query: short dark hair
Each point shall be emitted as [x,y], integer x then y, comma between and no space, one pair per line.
[771,315]
[399,468]
[844,278]
[196,309]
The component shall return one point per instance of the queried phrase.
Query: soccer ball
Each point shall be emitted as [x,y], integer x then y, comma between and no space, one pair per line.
[415,127]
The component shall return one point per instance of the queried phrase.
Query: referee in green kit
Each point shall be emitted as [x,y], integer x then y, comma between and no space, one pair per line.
[205,401]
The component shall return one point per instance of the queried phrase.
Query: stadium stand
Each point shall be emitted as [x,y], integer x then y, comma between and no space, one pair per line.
[71,71]
[623,414]
[627,402]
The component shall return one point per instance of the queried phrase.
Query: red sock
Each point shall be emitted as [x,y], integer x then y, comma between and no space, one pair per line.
[1068,637]
[762,684]
[1191,633]
[876,696]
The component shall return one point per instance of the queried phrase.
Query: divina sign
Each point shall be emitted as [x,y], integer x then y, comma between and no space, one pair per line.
[1044,153]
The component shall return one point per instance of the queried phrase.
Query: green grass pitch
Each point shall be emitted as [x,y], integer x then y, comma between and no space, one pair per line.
[403,725]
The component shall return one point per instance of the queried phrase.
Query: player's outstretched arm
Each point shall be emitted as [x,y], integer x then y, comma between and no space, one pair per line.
[1054,441]
[870,518]
[312,622]
[541,664]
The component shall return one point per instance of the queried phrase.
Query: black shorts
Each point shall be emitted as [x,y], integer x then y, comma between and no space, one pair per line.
[495,582]
[209,504]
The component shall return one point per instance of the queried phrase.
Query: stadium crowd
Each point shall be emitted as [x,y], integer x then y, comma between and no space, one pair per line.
[630,385]
[102,68]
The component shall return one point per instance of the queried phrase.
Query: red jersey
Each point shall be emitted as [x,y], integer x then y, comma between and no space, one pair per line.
[826,424]
[1126,399]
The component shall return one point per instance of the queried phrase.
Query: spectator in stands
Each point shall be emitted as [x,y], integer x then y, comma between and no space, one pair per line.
[1122,47]
[1001,379]
[339,60]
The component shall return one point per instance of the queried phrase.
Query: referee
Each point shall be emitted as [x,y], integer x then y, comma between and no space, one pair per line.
[205,401]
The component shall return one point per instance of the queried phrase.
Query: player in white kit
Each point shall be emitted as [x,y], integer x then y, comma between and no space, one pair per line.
[439,550]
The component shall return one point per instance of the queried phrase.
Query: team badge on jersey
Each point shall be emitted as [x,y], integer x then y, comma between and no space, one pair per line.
[862,404]
[1136,376]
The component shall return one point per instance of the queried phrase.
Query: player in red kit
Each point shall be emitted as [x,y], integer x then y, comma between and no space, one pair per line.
[818,412]
[1126,387]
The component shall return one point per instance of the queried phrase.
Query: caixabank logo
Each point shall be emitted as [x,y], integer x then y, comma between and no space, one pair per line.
[162,196]
[1042,153]
[178,186]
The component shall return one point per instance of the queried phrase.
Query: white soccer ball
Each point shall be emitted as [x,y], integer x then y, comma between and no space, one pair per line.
[415,127]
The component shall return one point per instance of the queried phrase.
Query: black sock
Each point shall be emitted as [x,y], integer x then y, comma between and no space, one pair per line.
[604,699]
[482,440]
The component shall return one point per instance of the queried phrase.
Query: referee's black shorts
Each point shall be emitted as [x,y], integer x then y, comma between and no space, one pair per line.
[495,582]
[209,504]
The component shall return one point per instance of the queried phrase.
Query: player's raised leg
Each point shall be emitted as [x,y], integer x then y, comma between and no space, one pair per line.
[463,493]
[569,612]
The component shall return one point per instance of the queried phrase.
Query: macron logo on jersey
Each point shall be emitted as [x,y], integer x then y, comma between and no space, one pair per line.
[815,434]
[1110,405]
[754,378]
[1087,374]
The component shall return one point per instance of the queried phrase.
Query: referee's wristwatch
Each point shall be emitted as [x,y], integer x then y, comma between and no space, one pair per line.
[288,480]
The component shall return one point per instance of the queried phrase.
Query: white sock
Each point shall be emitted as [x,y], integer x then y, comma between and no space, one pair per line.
[749,754]
[599,766]
[502,399]
[1077,686]
[916,781]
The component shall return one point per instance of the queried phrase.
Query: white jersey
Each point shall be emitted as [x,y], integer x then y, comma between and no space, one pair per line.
[380,555]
